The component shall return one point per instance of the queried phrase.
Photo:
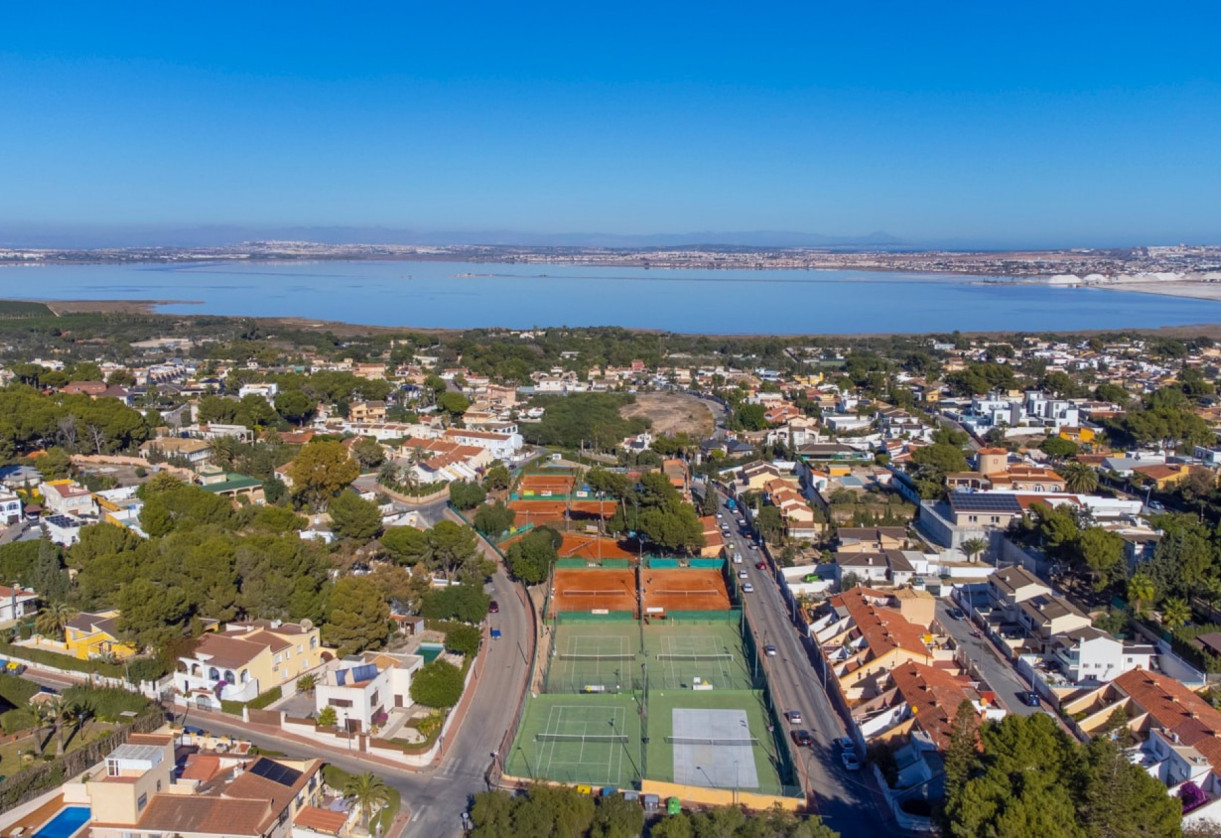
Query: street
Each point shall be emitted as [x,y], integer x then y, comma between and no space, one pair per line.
[846,800]
[983,657]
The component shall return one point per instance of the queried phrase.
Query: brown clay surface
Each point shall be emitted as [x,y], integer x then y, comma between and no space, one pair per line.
[685,589]
[594,588]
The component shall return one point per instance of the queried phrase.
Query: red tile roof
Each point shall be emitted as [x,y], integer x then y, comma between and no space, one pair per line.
[1176,708]
[933,695]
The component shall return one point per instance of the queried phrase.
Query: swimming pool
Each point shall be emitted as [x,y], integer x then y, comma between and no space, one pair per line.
[430,651]
[66,824]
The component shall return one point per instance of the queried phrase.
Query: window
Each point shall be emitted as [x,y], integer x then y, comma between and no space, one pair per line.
[300,649]
[279,658]
[313,642]
[141,802]
[996,519]
[972,518]
[339,702]
[158,789]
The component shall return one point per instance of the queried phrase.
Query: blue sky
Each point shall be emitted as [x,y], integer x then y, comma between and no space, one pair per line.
[1023,124]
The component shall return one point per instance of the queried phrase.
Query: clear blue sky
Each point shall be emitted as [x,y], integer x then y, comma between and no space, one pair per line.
[1025,123]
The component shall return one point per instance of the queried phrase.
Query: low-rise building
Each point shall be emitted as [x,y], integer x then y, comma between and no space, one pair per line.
[363,689]
[96,635]
[247,659]
[67,497]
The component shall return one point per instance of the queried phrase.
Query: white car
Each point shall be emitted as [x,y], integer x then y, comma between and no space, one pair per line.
[737,558]
[748,588]
[742,574]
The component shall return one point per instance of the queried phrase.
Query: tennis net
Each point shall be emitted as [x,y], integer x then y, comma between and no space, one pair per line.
[580,656]
[692,740]
[679,656]
[580,737]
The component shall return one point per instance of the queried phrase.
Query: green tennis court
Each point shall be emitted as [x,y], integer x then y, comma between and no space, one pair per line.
[594,739]
[710,762]
[595,658]
[697,657]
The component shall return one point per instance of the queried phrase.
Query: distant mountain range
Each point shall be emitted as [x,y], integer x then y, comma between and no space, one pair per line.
[94,237]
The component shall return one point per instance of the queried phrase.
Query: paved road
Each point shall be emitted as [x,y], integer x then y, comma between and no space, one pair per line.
[984,658]
[848,801]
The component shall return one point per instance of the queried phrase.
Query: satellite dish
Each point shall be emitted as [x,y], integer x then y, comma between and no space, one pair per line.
[307,624]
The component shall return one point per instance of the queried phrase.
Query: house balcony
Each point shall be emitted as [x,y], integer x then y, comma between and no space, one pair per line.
[187,683]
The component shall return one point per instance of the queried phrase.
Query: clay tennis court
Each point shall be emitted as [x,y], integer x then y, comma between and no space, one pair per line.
[594,589]
[687,589]
[531,511]
[560,484]
[579,546]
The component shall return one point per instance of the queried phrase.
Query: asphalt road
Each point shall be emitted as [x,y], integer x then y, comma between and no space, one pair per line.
[984,658]
[848,801]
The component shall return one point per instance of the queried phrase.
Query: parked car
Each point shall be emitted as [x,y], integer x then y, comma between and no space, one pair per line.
[794,717]
[1029,698]
[956,613]
[803,738]
[493,607]
[850,760]
[843,743]
[760,565]
[770,650]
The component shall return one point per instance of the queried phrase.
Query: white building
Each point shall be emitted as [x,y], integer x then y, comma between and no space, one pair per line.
[1088,656]
[504,447]
[361,689]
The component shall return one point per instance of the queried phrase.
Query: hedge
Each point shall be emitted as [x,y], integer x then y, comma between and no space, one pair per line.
[43,656]
[259,702]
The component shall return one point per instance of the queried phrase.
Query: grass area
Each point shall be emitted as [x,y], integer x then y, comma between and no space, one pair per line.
[22,308]
[337,778]
[11,761]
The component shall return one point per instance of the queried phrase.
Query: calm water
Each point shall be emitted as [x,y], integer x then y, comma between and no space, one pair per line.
[438,295]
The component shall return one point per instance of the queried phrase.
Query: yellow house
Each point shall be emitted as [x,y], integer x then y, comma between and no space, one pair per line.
[95,635]
[1074,434]
[248,659]
[1163,475]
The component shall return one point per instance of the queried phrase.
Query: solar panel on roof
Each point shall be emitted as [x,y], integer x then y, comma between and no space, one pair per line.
[365,672]
[975,502]
[274,771]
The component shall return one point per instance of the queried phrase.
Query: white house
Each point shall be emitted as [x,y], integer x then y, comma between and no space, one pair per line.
[1088,656]
[501,446]
[268,390]
[16,602]
[10,507]
[361,689]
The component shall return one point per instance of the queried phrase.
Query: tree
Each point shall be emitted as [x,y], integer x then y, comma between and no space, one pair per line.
[463,640]
[493,519]
[973,547]
[1118,798]
[54,619]
[1058,447]
[152,614]
[370,794]
[770,524]
[1141,592]
[1101,551]
[531,557]
[49,579]
[497,478]
[354,517]
[358,616]
[437,684]
[466,602]
[1175,613]
[327,717]
[961,751]
[368,452]
[617,817]
[1079,478]
[407,545]
[307,683]
[321,470]
[466,495]
[454,404]
[453,549]
[294,406]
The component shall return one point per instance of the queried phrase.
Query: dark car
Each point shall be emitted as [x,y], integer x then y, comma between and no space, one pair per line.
[803,738]
[493,607]
[1029,698]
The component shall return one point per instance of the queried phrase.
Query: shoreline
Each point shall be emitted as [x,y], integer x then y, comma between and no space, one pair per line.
[344,328]
[1189,289]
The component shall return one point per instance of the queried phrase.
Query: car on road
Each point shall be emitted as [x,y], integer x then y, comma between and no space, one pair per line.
[1029,698]
[794,717]
[493,607]
[850,760]
[720,514]
[803,738]
[956,614]
[844,743]
[748,588]
[770,650]
[753,546]
[760,565]
[737,558]
[742,574]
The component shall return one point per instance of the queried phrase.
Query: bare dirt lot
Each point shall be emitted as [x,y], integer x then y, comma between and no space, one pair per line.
[673,413]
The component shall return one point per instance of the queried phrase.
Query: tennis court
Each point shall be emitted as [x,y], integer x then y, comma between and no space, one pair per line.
[685,589]
[593,739]
[714,739]
[594,589]
[560,483]
[595,657]
[593,547]
[684,657]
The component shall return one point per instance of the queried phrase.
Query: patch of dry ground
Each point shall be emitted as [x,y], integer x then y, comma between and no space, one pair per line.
[672,413]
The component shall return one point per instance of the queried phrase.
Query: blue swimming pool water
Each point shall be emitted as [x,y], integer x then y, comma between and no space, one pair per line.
[429,652]
[66,824]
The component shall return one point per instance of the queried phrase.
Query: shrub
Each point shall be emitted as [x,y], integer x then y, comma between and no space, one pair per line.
[463,639]
[438,684]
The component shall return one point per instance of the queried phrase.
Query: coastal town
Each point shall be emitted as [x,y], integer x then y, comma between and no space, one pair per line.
[255,581]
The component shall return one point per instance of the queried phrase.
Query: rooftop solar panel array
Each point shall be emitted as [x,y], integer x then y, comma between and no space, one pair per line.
[274,771]
[979,502]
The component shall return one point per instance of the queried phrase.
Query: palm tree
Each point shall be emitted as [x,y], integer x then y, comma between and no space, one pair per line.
[306,683]
[53,619]
[370,793]
[1079,478]
[1140,592]
[46,713]
[1175,612]
[973,547]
